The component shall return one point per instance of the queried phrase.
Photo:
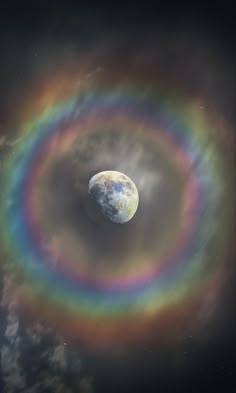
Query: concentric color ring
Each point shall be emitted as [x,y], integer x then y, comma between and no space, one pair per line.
[93,303]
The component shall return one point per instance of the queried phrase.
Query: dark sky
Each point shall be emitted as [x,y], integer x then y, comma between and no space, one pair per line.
[26,25]
[68,18]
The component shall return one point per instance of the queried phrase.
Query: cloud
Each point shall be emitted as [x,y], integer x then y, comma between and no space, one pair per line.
[58,357]
[11,370]
[86,385]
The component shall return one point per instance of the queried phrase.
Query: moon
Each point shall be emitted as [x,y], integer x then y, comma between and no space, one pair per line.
[115,194]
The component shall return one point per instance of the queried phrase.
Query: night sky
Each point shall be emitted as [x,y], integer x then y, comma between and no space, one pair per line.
[190,348]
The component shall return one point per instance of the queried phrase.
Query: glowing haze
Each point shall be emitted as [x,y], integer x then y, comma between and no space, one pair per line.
[165,271]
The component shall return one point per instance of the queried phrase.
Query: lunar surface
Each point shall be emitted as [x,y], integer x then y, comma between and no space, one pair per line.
[115,194]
